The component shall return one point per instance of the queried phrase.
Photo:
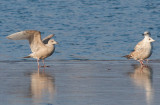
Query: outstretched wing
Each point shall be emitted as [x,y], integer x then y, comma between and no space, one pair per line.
[33,36]
[46,39]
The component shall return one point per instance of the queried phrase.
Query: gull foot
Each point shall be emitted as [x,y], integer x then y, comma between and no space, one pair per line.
[45,66]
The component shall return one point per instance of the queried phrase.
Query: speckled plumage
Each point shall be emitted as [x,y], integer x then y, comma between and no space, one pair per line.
[143,49]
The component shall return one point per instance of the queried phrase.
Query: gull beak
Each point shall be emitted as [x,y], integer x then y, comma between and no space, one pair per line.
[56,42]
[152,40]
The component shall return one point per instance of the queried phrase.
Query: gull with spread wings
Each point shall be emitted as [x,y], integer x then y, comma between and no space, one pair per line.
[41,49]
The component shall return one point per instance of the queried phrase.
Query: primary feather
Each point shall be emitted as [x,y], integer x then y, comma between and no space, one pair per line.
[46,39]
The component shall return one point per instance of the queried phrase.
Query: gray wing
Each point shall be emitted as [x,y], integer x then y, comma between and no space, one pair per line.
[33,36]
[23,35]
[46,39]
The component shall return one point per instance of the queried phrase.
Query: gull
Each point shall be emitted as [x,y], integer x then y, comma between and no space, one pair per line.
[143,49]
[41,49]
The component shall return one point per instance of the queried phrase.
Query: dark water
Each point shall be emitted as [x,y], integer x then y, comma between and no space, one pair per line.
[85,29]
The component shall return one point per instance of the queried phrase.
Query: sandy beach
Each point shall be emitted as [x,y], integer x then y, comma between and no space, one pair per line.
[79,83]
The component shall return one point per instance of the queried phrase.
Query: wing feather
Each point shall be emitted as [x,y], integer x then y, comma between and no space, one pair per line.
[46,39]
[138,46]
[33,36]
[19,36]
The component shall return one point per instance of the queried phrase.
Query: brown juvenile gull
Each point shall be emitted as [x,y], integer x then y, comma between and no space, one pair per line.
[143,49]
[41,49]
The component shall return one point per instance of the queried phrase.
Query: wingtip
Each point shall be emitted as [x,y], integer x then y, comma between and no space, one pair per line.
[127,56]
[27,56]
[52,35]
[8,37]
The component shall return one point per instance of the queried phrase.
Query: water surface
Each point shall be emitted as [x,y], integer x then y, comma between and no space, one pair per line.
[87,67]
[79,83]
[85,29]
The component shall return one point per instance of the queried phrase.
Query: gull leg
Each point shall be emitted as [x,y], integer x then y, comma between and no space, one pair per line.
[141,62]
[38,63]
[38,69]
[43,63]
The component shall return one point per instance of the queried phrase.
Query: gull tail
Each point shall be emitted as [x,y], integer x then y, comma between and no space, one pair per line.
[128,56]
[27,57]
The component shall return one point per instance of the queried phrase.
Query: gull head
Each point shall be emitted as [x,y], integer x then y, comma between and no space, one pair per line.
[52,42]
[149,39]
[146,33]
[147,36]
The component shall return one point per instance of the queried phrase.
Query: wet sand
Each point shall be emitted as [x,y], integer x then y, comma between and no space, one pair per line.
[79,83]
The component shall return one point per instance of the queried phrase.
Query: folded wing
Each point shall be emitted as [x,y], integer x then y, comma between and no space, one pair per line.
[139,46]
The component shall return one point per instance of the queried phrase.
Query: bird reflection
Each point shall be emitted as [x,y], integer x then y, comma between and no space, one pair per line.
[42,87]
[142,77]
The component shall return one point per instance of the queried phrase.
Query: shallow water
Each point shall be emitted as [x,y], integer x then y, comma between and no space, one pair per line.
[85,29]
[87,67]
[79,83]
